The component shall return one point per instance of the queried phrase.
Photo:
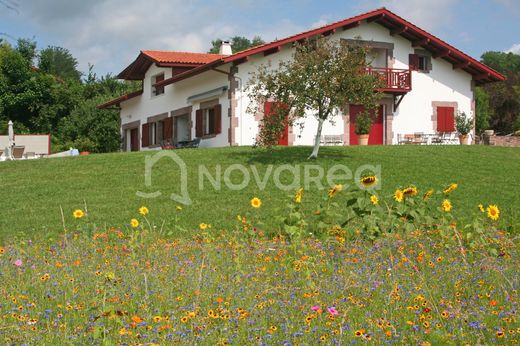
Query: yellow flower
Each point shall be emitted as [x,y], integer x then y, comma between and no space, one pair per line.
[256,202]
[333,191]
[481,208]
[450,188]
[428,194]
[179,208]
[410,191]
[369,181]
[298,196]
[446,206]
[398,195]
[143,211]
[493,212]
[134,223]
[203,226]
[78,213]
[374,200]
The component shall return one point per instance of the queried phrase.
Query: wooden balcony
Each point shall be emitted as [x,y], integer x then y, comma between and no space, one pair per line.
[393,80]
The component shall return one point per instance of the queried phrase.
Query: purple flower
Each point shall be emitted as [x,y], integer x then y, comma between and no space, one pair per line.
[315,308]
[332,310]
[18,263]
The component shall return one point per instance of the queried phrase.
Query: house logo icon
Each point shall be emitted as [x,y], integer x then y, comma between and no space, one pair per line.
[150,161]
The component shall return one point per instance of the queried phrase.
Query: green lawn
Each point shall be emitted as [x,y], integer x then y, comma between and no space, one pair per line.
[34,191]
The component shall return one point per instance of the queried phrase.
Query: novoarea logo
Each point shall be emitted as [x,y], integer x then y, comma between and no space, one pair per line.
[237,177]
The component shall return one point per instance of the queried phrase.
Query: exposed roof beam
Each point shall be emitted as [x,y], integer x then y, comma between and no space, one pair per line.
[398,31]
[376,18]
[422,42]
[352,25]
[482,76]
[329,32]
[272,50]
[441,54]
[241,61]
[462,65]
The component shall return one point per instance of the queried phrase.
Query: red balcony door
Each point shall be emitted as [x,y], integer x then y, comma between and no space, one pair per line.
[376,130]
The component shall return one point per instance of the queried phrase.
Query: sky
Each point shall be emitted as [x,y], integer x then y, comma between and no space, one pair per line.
[110,33]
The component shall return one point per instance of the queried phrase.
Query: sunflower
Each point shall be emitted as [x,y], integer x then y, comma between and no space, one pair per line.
[446,206]
[203,226]
[493,212]
[369,181]
[374,200]
[399,195]
[359,332]
[256,202]
[333,191]
[428,194]
[134,223]
[143,211]
[450,188]
[298,196]
[78,213]
[410,191]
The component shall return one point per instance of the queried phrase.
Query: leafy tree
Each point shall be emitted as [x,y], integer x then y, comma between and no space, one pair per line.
[503,97]
[322,77]
[483,110]
[27,48]
[59,62]
[238,43]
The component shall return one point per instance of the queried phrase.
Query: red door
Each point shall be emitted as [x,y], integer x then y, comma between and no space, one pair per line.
[376,130]
[284,137]
[134,139]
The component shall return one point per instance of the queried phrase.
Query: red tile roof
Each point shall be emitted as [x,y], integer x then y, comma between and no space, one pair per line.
[181,57]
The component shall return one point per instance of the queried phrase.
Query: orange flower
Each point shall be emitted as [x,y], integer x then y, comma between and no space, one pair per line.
[137,319]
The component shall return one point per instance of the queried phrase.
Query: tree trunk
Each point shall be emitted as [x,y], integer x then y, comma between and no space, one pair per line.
[314,154]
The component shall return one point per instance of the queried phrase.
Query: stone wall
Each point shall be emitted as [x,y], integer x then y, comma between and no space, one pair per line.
[505,141]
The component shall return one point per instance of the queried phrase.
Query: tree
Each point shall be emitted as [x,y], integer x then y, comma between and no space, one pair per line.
[483,110]
[322,78]
[238,43]
[503,97]
[59,62]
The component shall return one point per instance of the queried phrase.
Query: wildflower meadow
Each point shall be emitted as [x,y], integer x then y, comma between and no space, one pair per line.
[361,268]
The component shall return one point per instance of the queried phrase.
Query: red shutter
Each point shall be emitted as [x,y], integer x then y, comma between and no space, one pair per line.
[445,119]
[198,124]
[413,62]
[145,135]
[450,119]
[218,119]
[168,129]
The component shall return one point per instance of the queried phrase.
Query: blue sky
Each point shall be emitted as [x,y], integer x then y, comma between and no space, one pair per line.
[110,33]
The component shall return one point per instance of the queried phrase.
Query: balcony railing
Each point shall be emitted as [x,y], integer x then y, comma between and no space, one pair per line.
[392,79]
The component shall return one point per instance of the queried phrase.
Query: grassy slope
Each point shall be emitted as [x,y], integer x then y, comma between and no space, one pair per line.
[33,191]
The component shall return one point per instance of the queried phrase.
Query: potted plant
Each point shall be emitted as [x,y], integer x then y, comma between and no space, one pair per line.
[464,125]
[363,124]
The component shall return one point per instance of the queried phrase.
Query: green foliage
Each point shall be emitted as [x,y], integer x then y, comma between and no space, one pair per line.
[482,109]
[463,123]
[322,77]
[59,62]
[504,97]
[238,43]
[363,123]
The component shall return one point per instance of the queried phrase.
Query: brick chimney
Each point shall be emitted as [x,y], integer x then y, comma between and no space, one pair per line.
[225,48]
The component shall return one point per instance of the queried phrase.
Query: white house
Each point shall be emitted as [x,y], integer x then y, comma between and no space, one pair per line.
[193,95]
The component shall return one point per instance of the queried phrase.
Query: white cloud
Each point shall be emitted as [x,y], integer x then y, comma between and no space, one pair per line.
[514,49]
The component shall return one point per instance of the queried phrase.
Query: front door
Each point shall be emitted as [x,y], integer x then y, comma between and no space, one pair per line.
[134,139]
[283,140]
[376,130]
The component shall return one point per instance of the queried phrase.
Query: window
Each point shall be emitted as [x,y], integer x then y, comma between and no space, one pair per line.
[208,121]
[420,61]
[157,90]
[156,132]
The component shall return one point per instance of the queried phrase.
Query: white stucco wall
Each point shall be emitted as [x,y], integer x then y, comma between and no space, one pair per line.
[175,97]
[441,84]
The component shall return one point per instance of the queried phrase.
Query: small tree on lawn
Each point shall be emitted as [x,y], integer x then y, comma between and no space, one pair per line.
[323,77]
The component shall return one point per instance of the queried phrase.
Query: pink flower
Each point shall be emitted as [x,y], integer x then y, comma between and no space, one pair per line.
[316,308]
[332,310]
[18,263]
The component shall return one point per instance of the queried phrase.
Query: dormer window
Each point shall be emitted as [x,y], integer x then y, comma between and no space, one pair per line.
[157,90]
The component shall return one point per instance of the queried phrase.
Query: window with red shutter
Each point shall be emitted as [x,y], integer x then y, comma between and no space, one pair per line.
[413,62]
[155,89]
[217,112]
[199,129]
